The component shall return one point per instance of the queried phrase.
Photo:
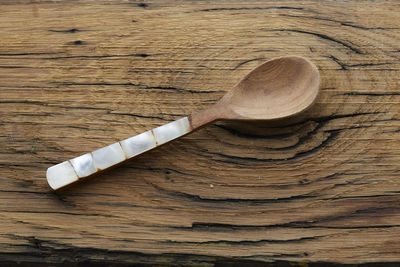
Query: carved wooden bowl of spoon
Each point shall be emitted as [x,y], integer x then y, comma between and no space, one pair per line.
[278,88]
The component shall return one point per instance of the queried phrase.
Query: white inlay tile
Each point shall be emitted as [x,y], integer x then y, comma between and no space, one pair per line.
[108,156]
[172,130]
[138,144]
[83,165]
[61,175]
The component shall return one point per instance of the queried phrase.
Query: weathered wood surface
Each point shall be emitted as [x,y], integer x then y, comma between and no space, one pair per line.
[75,76]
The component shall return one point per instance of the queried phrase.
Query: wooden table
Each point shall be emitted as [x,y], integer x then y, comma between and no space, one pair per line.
[321,187]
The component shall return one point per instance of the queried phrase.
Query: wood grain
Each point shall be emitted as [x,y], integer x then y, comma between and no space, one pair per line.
[323,187]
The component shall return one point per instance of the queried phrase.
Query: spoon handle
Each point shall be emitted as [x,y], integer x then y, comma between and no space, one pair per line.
[89,164]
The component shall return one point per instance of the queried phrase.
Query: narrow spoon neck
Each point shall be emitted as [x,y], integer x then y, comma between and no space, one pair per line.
[206,116]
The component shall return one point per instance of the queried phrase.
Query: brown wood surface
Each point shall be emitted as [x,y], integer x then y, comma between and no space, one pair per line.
[75,76]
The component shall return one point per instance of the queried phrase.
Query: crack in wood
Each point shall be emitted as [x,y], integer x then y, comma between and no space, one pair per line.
[322,36]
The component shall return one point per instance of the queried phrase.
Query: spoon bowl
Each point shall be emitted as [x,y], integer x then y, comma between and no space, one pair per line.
[276,89]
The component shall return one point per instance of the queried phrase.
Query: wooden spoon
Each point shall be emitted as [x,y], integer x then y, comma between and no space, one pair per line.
[276,89]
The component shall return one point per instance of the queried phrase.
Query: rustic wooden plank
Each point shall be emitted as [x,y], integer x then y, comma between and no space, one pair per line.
[75,76]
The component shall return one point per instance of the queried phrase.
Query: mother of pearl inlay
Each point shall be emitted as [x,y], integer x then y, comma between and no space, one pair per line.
[83,165]
[108,156]
[172,130]
[138,144]
[61,175]
[68,172]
